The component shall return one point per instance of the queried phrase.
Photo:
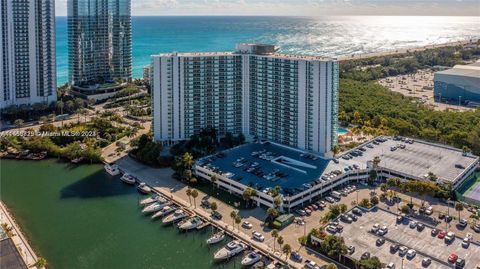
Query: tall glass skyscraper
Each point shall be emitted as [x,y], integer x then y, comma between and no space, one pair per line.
[99,41]
[27,52]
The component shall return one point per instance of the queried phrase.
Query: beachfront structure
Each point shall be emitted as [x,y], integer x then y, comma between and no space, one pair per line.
[27,52]
[254,91]
[460,84]
[304,177]
[99,42]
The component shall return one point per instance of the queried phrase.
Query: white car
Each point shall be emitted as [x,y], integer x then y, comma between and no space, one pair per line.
[391,266]
[449,237]
[247,225]
[375,228]
[258,236]
[411,253]
[429,210]
[466,242]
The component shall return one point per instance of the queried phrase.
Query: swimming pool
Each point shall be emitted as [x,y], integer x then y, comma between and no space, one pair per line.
[341,131]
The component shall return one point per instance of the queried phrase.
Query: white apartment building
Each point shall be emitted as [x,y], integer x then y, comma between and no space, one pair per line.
[27,52]
[289,99]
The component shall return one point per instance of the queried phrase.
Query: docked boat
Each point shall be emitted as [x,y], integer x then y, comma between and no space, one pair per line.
[190,223]
[129,179]
[176,216]
[112,169]
[164,211]
[152,199]
[251,258]
[218,237]
[231,249]
[143,188]
[155,207]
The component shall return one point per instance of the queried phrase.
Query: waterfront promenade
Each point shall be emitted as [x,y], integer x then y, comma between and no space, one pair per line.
[26,252]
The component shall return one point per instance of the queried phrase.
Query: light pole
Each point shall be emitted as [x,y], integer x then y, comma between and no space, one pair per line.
[357,195]
[402,262]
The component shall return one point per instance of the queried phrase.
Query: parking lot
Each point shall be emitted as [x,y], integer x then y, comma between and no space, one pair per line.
[358,235]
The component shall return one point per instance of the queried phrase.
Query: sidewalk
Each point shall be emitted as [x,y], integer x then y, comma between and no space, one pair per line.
[26,252]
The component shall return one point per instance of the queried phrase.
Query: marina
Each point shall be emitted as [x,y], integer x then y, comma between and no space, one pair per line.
[104,209]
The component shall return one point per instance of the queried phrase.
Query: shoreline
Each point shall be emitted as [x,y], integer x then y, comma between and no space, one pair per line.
[19,239]
[399,52]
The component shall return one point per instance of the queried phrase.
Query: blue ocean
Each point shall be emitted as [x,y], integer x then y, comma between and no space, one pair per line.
[323,36]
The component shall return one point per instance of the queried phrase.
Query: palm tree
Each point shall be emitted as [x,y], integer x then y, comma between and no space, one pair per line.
[233,215]
[40,263]
[214,179]
[331,266]
[459,208]
[280,240]
[213,207]
[335,150]
[194,195]
[238,219]
[189,193]
[287,249]
[272,213]
[248,193]
[274,234]
[277,201]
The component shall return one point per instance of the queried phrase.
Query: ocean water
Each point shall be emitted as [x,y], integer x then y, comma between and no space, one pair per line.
[323,36]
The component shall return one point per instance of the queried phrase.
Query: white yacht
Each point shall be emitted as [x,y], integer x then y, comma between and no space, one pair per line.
[143,188]
[190,223]
[155,207]
[112,169]
[176,216]
[164,211]
[251,258]
[231,249]
[218,237]
[129,179]
[154,198]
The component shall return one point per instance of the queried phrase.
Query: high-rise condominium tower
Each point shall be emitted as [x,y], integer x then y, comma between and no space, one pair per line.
[289,99]
[27,52]
[99,41]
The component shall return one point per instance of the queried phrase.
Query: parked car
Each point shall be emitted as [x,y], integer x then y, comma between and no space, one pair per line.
[411,253]
[452,257]
[448,218]
[402,250]
[351,249]
[420,227]
[295,256]
[390,266]
[429,210]
[460,263]
[365,256]
[301,212]
[426,262]
[258,236]
[462,223]
[380,241]
[357,211]
[449,237]
[476,228]
[394,248]
[434,232]
[247,225]
[466,242]
[442,234]
[330,199]
[216,215]
[413,224]
[375,228]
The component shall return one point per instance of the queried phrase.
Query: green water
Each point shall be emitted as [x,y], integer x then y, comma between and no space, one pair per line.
[80,217]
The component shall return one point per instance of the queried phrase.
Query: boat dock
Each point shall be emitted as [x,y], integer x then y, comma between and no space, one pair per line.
[228,229]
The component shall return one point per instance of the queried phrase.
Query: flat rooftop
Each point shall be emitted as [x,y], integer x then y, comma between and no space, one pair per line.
[415,159]
[295,168]
[276,55]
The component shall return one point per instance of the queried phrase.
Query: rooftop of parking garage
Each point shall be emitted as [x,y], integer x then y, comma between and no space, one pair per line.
[416,159]
[294,168]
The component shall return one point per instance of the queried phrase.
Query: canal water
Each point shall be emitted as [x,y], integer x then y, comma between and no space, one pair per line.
[80,217]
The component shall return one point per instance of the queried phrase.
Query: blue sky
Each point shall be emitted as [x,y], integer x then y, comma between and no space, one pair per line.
[299,7]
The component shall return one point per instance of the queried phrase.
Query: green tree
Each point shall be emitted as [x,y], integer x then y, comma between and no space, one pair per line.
[18,123]
[334,246]
[214,179]
[459,209]
[287,249]
[194,196]
[189,195]
[331,266]
[238,220]
[41,263]
[248,193]
[374,200]
[213,206]
[371,263]
[280,240]
[274,234]
[233,215]
[272,213]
